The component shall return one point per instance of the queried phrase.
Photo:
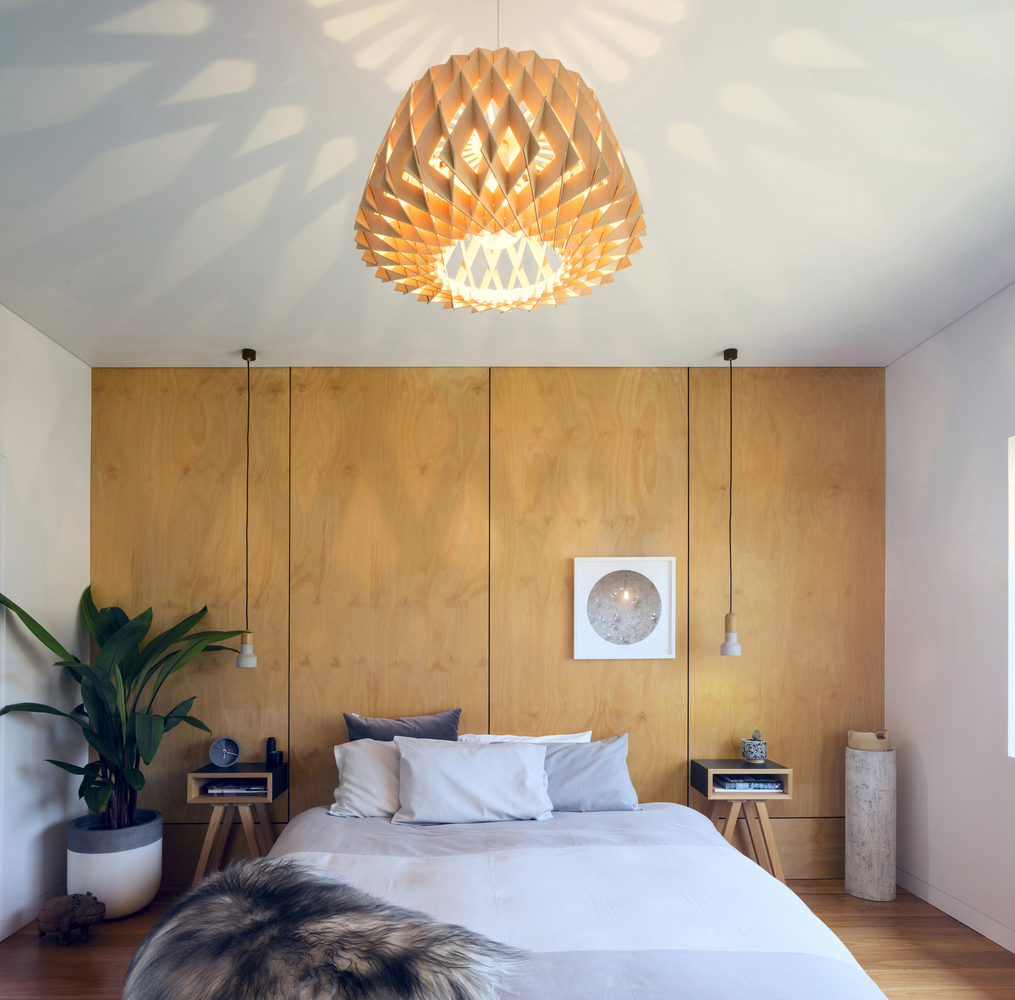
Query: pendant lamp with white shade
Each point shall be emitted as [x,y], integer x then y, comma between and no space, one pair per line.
[730,646]
[246,657]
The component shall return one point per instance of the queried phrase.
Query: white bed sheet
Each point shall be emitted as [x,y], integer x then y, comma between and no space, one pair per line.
[651,904]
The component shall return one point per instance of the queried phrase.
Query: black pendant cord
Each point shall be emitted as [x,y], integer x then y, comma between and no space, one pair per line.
[246,521]
[730,534]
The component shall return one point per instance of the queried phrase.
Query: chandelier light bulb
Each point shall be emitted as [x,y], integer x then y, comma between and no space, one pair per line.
[499,185]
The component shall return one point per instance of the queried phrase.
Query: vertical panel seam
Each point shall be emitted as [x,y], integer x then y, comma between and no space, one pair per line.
[687,637]
[489,547]
[289,607]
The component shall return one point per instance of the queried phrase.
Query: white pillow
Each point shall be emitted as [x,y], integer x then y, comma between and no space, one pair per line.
[444,782]
[367,779]
[494,738]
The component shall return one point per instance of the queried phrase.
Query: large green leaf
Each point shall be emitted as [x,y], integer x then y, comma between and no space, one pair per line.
[134,778]
[100,685]
[196,644]
[90,613]
[94,707]
[98,798]
[91,778]
[118,646]
[121,700]
[106,750]
[73,768]
[38,631]
[196,723]
[110,621]
[170,637]
[178,714]
[148,730]
[31,706]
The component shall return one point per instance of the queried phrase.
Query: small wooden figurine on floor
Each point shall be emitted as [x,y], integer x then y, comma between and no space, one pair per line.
[63,913]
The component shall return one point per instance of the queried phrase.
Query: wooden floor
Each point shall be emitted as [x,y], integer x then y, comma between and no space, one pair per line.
[910,949]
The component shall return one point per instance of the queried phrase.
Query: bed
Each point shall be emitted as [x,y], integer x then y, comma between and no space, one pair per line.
[637,905]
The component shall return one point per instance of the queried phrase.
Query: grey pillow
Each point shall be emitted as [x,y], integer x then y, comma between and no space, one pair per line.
[439,726]
[589,777]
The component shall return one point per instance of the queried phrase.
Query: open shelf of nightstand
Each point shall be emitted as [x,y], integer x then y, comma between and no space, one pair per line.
[703,773]
[276,781]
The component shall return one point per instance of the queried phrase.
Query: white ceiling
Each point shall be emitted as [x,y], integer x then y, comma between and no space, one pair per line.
[825,182]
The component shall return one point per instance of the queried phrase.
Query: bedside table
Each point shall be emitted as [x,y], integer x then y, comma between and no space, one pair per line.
[759,828]
[276,781]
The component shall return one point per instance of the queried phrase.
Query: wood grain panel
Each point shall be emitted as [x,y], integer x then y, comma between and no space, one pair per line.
[586,462]
[181,848]
[390,542]
[168,471]
[808,568]
[808,847]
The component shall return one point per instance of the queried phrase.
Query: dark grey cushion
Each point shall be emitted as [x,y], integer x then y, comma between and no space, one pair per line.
[440,726]
[589,777]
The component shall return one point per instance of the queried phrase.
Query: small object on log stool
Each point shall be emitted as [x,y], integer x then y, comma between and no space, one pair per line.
[860,739]
[63,913]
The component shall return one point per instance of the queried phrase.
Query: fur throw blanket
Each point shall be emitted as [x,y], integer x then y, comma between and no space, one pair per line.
[278,929]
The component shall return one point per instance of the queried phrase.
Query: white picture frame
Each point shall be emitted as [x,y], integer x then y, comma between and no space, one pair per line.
[660,644]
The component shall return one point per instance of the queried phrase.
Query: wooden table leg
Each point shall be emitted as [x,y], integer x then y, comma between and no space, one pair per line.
[227,829]
[264,825]
[766,829]
[757,840]
[731,820]
[717,813]
[209,839]
[248,829]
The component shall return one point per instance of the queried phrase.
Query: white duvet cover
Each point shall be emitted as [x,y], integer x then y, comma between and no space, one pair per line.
[635,905]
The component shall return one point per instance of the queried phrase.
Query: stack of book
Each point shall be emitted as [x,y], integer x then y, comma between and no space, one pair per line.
[746,783]
[236,787]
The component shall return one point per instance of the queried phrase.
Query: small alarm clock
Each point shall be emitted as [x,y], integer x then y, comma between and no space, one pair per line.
[224,752]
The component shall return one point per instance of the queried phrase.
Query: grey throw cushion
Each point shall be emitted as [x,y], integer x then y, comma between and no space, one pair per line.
[439,726]
[589,777]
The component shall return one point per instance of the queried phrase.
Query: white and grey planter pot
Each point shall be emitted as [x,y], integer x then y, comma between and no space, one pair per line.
[123,868]
[754,751]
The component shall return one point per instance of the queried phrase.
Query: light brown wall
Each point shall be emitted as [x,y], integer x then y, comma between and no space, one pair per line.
[808,578]
[434,516]
[586,462]
[168,469]
[390,537]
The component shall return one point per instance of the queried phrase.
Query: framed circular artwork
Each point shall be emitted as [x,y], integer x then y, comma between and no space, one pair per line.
[624,608]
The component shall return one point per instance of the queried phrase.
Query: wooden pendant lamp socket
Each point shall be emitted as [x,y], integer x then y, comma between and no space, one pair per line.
[730,645]
[246,657]
[499,185]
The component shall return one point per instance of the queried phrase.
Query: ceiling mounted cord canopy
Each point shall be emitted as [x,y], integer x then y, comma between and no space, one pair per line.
[730,646]
[499,185]
[246,657]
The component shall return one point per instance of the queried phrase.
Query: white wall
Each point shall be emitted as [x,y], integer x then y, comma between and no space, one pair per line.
[45,451]
[950,412]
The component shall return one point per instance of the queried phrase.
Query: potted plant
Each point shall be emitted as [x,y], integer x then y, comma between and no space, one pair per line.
[116,851]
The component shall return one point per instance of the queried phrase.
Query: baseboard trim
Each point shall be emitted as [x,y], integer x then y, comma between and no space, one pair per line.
[990,928]
[24,915]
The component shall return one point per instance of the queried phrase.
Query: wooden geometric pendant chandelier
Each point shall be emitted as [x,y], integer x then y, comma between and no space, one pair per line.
[500,185]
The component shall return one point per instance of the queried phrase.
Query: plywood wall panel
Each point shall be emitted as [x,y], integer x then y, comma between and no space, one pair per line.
[586,462]
[168,478]
[808,568]
[390,541]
